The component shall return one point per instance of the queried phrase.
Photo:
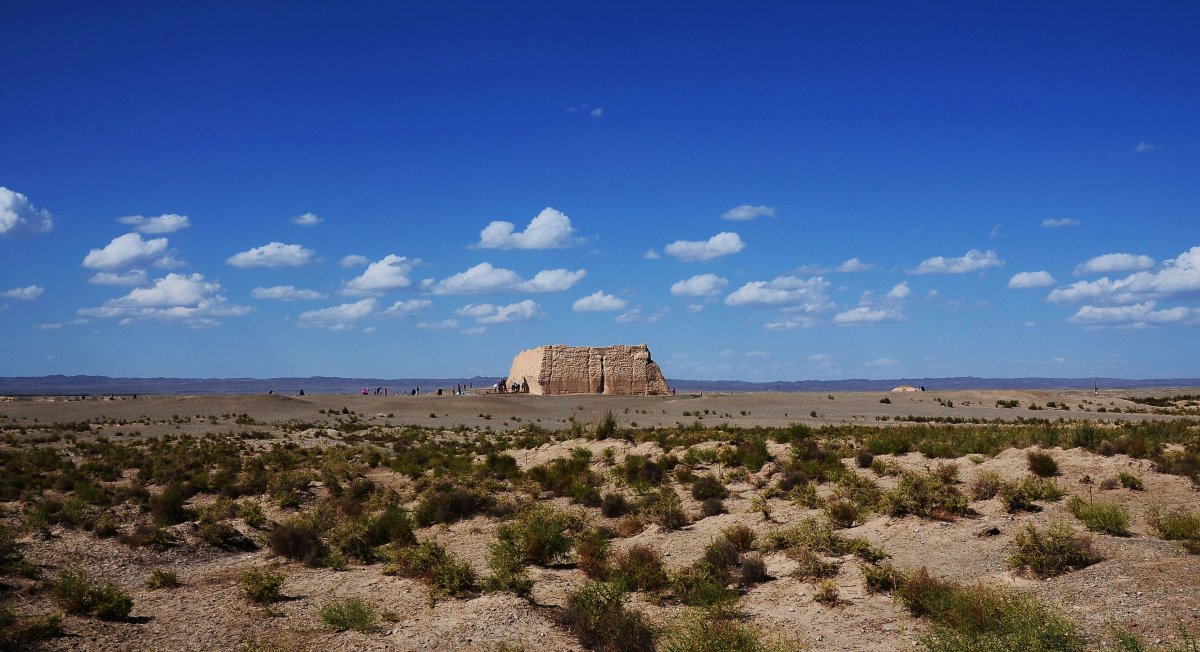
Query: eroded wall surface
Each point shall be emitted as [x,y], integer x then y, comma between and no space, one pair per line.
[561,369]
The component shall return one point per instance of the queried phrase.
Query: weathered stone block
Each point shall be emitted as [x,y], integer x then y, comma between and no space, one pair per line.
[561,369]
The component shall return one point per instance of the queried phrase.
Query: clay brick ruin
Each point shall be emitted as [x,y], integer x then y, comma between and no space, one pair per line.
[561,369]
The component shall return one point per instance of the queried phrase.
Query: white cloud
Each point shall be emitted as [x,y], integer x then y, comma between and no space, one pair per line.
[550,229]
[1056,223]
[971,261]
[868,315]
[748,212]
[1138,314]
[132,277]
[598,301]
[855,265]
[353,260]
[486,313]
[127,251]
[790,323]
[756,354]
[700,285]
[166,223]
[409,307]
[690,251]
[307,219]
[881,362]
[26,293]
[58,325]
[388,273]
[474,330]
[651,255]
[1178,277]
[900,291]
[285,293]
[1038,279]
[273,254]
[1031,324]
[337,318]
[695,307]
[1114,263]
[810,295]
[636,316]
[484,278]
[19,218]
[443,325]
[597,112]
[181,298]
[1142,147]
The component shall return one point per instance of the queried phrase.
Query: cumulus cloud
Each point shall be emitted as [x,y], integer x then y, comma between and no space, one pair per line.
[1119,262]
[408,308]
[486,313]
[900,291]
[1137,315]
[973,260]
[285,293]
[1038,279]
[700,285]
[19,218]
[881,362]
[855,265]
[1178,278]
[337,318]
[273,254]
[388,273]
[868,315]
[484,278]
[181,298]
[651,255]
[597,112]
[1142,147]
[809,295]
[1057,223]
[307,219]
[132,277]
[127,251]
[598,301]
[58,325]
[550,229]
[748,212]
[636,315]
[166,223]
[690,251]
[353,260]
[26,293]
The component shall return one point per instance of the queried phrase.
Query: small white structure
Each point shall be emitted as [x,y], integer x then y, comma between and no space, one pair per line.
[907,388]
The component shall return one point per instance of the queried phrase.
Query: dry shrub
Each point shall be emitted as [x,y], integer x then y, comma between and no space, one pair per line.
[1053,551]
[741,536]
[638,568]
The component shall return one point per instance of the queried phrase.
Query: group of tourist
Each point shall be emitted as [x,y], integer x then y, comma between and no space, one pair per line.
[503,387]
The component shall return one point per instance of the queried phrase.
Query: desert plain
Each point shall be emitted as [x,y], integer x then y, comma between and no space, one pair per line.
[518,522]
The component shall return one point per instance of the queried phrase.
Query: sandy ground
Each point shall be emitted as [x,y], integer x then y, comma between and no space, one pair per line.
[1144,583]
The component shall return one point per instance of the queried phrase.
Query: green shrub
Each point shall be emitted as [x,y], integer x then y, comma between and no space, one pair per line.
[168,507]
[431,562]
[925,495]
[541,534]
[25,633]
[262,585]
[1126,641]
[1178,525]
[1041,464]
[702,585]
[1100,516]
[864,459]
[507,568]
[722,553]
[986,485]
[1130,481]
[741,536]
[811,565]
[351,613]
[818,535]
[251,512]
[593,549]
[161,579]
[607,428]
[984,618]
[1051,552]
[1020,496]
[699,631]
[597,616]
[827,592]
[708,487]
[665,508]
[638,568]
[76,593]
[226,537]
[842,513]
[882,578]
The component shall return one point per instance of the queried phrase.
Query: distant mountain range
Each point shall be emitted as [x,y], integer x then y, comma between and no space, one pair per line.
[69,385]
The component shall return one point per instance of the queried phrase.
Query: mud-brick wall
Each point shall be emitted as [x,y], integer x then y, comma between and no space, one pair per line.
[560,369]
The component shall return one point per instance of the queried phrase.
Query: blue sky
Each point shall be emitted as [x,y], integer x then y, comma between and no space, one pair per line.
[782,191]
